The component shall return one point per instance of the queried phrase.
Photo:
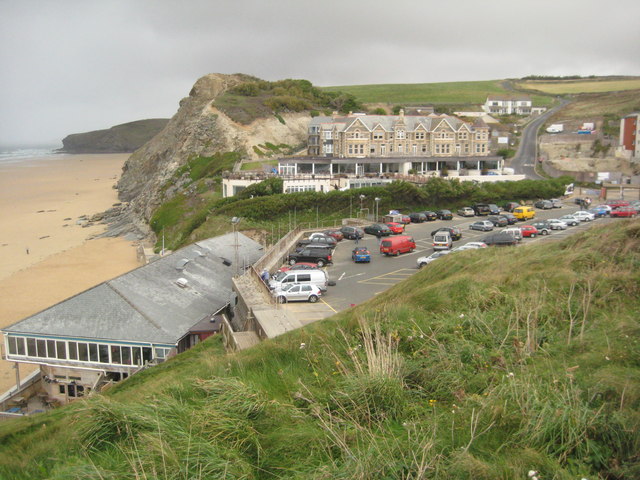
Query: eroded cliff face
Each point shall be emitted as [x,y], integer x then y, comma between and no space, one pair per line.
[196,129]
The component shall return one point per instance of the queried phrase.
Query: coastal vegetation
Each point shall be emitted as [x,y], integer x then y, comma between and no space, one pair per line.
[562,86]
[488,364]
[196,214]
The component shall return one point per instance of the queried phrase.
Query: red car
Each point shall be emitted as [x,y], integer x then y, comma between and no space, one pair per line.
[623,212]
[618,203]
[406,219]
[529,231]
[396,228]
[299,266]
[337,234]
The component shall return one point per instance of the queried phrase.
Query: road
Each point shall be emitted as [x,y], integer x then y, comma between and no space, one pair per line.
[524,161]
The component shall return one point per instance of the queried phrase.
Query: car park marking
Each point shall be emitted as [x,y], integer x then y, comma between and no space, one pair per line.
[323,301]
[390,278]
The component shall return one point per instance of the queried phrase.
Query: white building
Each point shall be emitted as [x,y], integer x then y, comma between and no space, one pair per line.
[508,105]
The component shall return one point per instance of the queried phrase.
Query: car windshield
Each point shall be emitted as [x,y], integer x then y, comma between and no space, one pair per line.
[279,276]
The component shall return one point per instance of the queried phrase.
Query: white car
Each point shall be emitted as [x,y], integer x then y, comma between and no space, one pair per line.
[584,216]
[295,292]
[422,261]
[476,245]
[557,224]
[606,207]
[570,220]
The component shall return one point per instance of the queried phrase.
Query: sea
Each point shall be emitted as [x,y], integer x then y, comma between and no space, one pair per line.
[9,155]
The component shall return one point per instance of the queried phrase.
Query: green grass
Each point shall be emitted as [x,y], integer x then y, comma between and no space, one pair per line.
[466,370]
[561,87]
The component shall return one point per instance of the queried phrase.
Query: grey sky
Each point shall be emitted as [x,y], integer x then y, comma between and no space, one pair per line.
[74,66]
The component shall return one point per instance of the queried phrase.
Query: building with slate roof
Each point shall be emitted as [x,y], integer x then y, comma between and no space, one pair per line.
[361,150]
[140,318]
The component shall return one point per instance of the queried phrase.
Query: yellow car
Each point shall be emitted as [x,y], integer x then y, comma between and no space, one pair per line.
[524,213]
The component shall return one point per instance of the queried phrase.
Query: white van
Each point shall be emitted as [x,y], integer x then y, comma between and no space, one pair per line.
[314,277]
[442,241]
[515,232]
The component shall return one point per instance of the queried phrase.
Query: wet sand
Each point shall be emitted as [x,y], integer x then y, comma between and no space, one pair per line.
[46,255]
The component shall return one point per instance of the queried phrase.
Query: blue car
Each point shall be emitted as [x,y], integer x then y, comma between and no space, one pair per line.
[598,212]
[361,255]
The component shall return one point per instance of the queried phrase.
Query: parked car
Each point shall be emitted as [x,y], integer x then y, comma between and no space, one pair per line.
[557,224]
[444,214]
[524,213]
[476,245]
[500,239]
[350,232]
[618,203]
[319,256]
[396,228]
[316,277]
[529,231]
[455,232]
[297,293]
[510,206]
[498,220]
[442,241]
[543,204]
[556,203]
[606,207]
[406,219]
[361,255]
[481,209]
[570,220]
[466,212]
[422,261]
[599,212]
[397,245]
[378,229]
[482,225]
[299,266]
[584,216]
[511,218]
[335,233]
[318,238]
[623,212]
[515,232]
[494,209]
[417,217]
[543,228]
[431,216]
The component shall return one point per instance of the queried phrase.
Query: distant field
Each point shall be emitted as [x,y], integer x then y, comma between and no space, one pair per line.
[595,105]
[430,93]
[560,87]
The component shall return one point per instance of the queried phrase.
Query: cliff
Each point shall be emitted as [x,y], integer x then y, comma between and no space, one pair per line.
[197,129]
[124,138]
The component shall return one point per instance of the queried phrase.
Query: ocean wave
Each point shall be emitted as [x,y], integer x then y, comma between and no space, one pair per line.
[16,155]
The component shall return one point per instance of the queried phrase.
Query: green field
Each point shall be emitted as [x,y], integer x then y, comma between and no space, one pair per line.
[561,87]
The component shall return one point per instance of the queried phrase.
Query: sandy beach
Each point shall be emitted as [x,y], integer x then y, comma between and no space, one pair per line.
[46,254]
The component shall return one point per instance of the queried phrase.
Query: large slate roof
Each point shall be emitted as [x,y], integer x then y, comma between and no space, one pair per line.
[146,304]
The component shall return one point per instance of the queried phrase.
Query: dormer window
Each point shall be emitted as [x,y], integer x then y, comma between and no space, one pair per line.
[400,134]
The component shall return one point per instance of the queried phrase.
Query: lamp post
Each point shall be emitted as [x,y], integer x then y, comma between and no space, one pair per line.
[234,223]
[362,197]
[377,202]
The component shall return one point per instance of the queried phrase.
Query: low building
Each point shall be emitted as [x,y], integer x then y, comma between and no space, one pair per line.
[630,136]
[138,319]
[508,105]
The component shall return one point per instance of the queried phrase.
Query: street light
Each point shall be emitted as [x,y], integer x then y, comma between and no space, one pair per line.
[362,197]
[377,201]
[234,223]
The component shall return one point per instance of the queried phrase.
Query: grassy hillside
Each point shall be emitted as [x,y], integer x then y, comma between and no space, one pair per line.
[586,85]
[450,93]
[485,365]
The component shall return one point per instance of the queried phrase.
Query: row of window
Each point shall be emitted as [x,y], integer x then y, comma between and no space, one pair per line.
[83,351]
[301,188]
[401,135]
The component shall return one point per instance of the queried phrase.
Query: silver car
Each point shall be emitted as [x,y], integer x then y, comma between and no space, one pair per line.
[482,225]
[297,293]
[557,224]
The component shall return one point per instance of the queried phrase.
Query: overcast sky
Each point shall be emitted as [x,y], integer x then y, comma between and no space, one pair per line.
[75,66]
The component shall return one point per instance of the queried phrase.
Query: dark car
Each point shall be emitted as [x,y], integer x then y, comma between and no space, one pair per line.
[543,204]
[455,232]
[510,206]
[511,218]
[431,216]
[417,217]
[321,240]
[498,220]
[444,214]
[319,256]
[481,209]
[352,232]
[378,229]
[500,239]
[543,228]
[494,209]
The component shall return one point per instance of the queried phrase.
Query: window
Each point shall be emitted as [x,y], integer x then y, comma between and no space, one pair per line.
[400,134]
[73,351]
[424,149]
[414,149]
[305,277]
[42,348]
[83,352]
[93,352]
[419,135]
[463,135]
[146,354]
[372,150]
[126,355]
[400,148]
[103,353]
[61,350]
[115,354]
[137,355]
[378,135]
[383,149]
[328,135]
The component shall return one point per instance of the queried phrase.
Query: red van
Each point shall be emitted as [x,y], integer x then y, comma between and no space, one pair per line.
[397,245]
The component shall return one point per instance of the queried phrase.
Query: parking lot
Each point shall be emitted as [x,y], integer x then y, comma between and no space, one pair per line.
[357,282]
